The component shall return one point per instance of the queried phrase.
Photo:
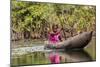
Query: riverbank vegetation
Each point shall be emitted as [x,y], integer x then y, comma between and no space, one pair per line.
[34,19]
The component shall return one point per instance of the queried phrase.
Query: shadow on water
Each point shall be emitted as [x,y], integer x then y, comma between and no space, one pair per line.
[52,57]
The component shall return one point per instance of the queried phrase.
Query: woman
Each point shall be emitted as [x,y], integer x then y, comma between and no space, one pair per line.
[54,36]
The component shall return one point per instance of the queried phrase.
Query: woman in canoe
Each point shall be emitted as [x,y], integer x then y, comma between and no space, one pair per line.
[54,36]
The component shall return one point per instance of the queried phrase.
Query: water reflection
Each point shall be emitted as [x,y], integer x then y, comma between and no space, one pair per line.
[52,57]
[69,56]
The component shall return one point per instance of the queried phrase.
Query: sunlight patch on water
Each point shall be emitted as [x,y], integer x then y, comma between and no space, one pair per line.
[25,50]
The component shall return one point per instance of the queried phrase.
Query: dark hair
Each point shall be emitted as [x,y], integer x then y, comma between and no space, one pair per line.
[54,26]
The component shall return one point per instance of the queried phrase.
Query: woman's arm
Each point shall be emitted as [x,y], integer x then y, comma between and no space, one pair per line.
[60,38]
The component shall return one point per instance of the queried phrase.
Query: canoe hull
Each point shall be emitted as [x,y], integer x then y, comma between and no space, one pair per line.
[76,42]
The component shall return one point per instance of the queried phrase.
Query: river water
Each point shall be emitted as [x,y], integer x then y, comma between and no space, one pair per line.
[28,52]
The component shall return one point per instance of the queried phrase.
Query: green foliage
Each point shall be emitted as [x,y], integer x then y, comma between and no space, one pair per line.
[32,15]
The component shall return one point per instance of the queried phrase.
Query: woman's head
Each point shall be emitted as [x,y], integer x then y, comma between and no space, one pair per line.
[54,27]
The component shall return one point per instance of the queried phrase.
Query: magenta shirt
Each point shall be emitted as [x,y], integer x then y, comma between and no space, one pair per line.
[54,38]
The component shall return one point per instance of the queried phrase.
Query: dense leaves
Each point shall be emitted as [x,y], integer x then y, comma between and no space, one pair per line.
[39,17]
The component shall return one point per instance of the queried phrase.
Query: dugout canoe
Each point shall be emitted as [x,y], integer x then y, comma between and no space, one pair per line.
[77,42]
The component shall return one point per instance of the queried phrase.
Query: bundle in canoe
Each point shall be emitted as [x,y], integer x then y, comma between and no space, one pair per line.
[77,42]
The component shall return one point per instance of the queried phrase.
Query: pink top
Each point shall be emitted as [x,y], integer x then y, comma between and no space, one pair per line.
[54,38]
